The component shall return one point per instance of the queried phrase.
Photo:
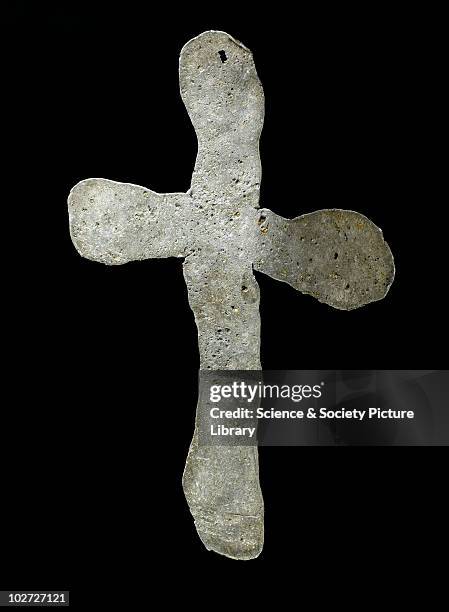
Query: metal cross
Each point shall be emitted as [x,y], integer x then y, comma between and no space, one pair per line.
[221,234]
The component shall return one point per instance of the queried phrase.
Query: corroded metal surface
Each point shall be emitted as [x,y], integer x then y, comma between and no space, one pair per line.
[337,256]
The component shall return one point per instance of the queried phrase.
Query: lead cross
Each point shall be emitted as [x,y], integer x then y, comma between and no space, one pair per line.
[220,232]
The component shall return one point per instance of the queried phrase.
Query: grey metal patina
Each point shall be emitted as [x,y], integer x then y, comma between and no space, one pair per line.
[219,230]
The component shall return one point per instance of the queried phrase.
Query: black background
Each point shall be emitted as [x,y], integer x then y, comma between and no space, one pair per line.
[101,366]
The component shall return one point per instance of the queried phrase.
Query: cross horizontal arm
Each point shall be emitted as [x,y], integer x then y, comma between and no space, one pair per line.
[338,256]
[115,223]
